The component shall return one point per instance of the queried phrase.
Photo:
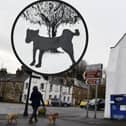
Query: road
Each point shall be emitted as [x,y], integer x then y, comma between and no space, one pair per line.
[73,116]
[63,111]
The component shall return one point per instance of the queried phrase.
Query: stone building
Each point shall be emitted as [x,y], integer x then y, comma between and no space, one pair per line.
[79,91]
[11,88]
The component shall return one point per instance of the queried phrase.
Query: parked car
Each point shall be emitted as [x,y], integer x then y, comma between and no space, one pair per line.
[100,104]
[55,102]
[47,103]
[83,104]
[66,104]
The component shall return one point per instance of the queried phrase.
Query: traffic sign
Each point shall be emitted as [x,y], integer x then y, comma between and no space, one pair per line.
[92,74]
[93,67]
[93,81]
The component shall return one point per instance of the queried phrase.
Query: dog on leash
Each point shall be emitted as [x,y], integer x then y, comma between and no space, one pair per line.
[53,117]
[12,118]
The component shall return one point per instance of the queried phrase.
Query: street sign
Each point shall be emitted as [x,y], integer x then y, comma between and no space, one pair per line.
[93,81]
[92,74]
[94,67]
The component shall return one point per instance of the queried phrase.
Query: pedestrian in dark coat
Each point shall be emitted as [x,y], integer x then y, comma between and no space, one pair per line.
[36,99]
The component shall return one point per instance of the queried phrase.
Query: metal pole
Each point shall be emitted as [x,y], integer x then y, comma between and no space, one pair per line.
[96,96]
[60,94]
[88,96]
[45,91]
[26,104]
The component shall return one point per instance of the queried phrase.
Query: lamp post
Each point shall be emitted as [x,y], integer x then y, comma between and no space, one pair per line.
[27,99]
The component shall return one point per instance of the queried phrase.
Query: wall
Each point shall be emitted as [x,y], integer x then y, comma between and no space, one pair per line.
[116,73]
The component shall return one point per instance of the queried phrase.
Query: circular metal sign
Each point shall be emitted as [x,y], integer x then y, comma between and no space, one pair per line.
[49,37]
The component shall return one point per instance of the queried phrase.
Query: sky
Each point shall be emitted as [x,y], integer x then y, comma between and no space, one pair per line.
[105,20]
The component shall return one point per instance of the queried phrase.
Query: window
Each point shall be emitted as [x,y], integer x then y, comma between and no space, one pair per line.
[26,86]
[25,97]
[50,96]
[55,97]
[64,98]
[51,87]
[68,90]
[68,98]
[41,86]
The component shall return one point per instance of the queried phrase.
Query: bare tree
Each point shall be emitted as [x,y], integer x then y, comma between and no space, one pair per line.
[77,71]
[51,14]
[67,78]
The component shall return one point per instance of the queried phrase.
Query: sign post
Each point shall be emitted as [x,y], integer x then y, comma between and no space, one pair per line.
[88,96]
[28,93]
[92,76]
[96,97]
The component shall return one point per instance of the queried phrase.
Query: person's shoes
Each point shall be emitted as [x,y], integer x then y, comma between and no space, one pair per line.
[30,121]
[36,120]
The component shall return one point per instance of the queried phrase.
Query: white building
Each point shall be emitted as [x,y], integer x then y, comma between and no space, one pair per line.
[48,90]
[116,73]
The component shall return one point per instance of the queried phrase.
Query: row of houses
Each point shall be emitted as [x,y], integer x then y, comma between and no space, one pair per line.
[70,94]
[14,89]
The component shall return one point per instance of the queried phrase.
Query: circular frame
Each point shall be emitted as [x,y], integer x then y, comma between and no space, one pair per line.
[12,39]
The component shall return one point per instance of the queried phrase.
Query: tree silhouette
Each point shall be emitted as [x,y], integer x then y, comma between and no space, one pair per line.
[51,14]
[67,78]
[3,73]
[76,72]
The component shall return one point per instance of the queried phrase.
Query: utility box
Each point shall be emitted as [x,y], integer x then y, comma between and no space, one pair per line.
[118,106]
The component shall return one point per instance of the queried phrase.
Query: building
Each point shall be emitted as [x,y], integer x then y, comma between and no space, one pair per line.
[11,88]
[116,74]
[79,91]
[55,89]
[49,90]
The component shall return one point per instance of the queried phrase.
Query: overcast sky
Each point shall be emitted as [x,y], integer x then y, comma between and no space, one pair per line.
[106,22]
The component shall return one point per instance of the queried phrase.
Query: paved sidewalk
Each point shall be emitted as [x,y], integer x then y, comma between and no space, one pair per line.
[96,122]
[64,121]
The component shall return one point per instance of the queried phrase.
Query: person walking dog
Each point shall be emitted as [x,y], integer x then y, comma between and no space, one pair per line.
[36,99]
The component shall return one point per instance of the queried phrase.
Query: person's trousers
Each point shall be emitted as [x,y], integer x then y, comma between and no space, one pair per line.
[34,113]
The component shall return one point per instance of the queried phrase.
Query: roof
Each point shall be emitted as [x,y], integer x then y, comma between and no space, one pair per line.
[119,41]
[80,84]
[13,77]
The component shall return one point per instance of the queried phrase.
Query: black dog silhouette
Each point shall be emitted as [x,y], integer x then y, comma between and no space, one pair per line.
[44,44]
